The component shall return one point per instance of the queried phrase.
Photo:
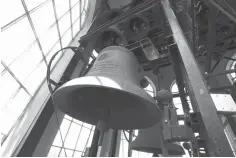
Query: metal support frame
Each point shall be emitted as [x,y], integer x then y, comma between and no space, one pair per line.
[130,141]
[138,9]
[211,35]
[216,140]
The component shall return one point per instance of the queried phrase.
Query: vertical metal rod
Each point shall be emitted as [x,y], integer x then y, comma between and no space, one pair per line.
[130,141]
[94,146]
[112,152]
[215,138]
[193,26]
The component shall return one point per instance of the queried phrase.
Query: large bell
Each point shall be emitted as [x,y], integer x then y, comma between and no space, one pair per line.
[110,92]
[149,140]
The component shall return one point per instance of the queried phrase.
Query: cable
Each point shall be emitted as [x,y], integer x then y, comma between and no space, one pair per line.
[51,91]
[125,136]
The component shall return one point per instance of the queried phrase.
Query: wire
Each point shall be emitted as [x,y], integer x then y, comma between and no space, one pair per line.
[125,136]
[51,91]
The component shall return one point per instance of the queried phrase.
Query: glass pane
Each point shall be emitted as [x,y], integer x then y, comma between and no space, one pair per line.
[33,3]
[17,39]
[64,23]
[8,87]
[73,2]
[48,39]
[69,153]
[82,19]
[43,18]
[86,5]
[1,69]
[90,60]
[82,139]
[149,88]
[95,53]
[77,121]
[62,153]
[68,117]
[75,12]
[72,136]
[150,93]
[61,7]
[54,152]
[55,48]
[12,9]
[64,129]
[76,27]
[35,79]
[90,139]
[13,110]
[25,64]
[77,154]
[87,125]
[66,39]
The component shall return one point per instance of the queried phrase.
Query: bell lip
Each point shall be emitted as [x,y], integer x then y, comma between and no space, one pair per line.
[151,107]
[177,149]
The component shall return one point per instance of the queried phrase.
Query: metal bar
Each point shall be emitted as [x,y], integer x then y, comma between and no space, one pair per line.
[94,146]
[56,18]
[211,36]
[23,16]
[130,141]
[112,152]
[139,9]
[80,13]
[231,16]
[221,73]
[193,26]
[70,19]
[17,80]
[179,77]
[216,140]
[34,31]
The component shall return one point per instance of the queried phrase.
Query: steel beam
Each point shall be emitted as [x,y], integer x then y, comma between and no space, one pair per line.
[215,138]
[211,36]
[179,77]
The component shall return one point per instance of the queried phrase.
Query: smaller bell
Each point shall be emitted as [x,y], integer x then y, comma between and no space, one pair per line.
[149,140]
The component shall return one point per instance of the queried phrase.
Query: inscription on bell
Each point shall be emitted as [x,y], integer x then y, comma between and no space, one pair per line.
[105,66]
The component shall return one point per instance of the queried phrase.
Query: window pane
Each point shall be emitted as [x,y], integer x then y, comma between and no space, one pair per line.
[64,23]
[13,110]
[75,12]
[61,7]
[64,129]
[66,39]
[73,2]
[76,27]
[54,152]
[82,19]
[72,136]
[8,87]
[43,18]
[82,139]
[86,5]
[77,121]
[17,39]
[77,154]
[25,64]
[33,3]
[90,139]
[36,78]
[95,53]
[68,117]
[69,153]
[87,125]
[48,39]
[12,9]
[55,48]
